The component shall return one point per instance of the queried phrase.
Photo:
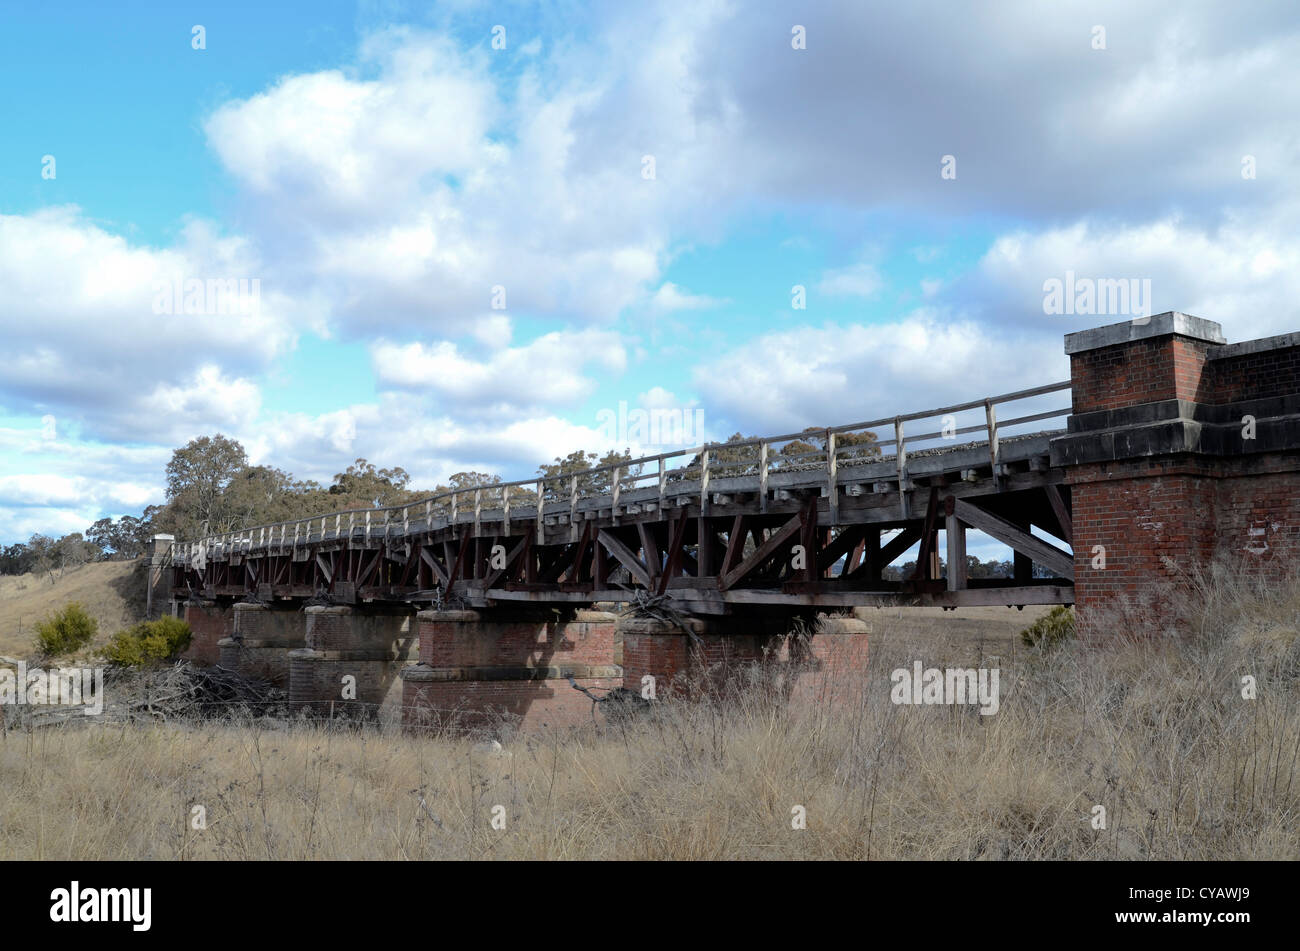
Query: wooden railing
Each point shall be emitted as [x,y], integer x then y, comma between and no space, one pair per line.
[841,447]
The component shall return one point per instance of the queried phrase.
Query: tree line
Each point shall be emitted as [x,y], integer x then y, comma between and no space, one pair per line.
[211,488]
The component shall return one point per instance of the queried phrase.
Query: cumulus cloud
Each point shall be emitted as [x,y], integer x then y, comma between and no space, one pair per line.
[824,376]
[1244,272]
[670,297]
[547,371]
[84,340]
[411,186]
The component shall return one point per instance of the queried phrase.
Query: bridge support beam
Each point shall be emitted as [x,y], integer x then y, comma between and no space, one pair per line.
[509,670]
[352,660]
[261,638]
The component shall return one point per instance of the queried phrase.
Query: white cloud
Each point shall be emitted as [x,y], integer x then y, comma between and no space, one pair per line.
[856,280]
[83,340]
[826,376]
[544,372]
[670,297]
[1244,272]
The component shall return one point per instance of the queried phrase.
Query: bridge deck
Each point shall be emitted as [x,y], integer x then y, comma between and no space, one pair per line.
[774,521]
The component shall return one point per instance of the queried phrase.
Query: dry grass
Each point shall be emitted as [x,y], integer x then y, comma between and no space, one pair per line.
[1155,731]
[112,592]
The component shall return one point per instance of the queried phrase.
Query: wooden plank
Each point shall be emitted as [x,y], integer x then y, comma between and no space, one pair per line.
[650,549]
[1021,541]
[625,556]
[955,533]
[735,544]
[497,573]
[1061,512]
[854,557]
[832,480]
[808,538]
[458,564]
[764,551]
[674,552]
[584,545]
[844,543]
[991,420]
[432,562]
[705,548]
[900,459]
[897,545]
[923,565]
[560,564]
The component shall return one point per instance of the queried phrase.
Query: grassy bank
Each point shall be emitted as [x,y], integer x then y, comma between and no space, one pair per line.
[1156,732]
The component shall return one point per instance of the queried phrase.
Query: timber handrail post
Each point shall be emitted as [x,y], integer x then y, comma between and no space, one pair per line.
[663,484]
[541,494]
[453,507]
[832,478]
[762,476]
[505,510]
[991,417]
[478,511]
[900,457]
[573,508]
[704,482]
[367,525]
[613,508]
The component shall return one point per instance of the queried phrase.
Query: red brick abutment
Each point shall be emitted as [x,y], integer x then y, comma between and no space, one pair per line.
[1181,450]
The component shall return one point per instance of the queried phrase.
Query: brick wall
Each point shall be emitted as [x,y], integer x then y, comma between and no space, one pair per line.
[468,639]
[210,622]
[261,641]
[1273,372]
[1159,517]
[1140,371]
[481,669]
[716,658]
[1140,514]
[528,706]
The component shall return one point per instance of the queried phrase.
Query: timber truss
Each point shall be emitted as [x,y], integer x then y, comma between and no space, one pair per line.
[737,526]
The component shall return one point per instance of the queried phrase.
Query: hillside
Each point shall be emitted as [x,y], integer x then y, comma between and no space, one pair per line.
[112,591]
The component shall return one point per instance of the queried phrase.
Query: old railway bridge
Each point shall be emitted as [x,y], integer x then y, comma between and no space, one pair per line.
[1174,447]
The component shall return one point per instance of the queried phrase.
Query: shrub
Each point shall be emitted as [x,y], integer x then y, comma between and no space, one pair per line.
[65,631]
[149,643]
[1051,629]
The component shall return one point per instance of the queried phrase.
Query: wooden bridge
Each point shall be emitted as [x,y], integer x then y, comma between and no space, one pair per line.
[1177,449]
[797,521]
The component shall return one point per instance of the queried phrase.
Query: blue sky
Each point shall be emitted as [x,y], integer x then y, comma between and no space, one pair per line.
[379,169]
